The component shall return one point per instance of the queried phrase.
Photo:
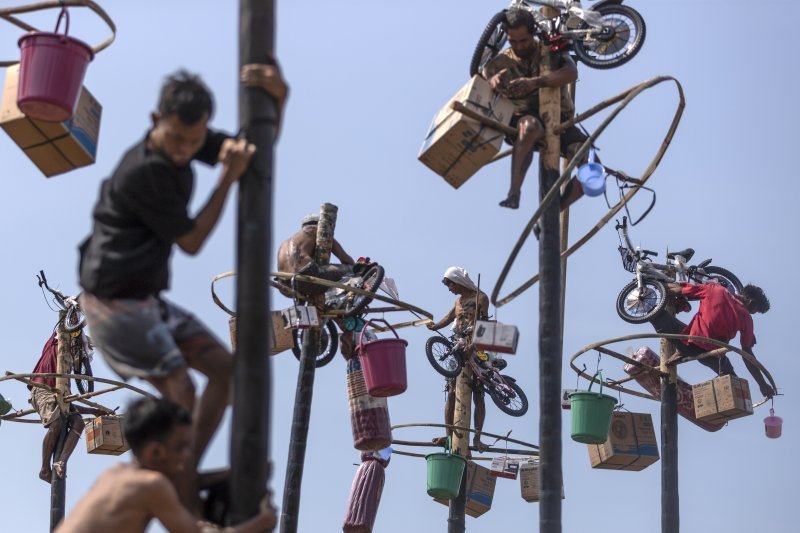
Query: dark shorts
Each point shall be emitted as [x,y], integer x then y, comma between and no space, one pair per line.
[140,338]
[571,136]
[666,323]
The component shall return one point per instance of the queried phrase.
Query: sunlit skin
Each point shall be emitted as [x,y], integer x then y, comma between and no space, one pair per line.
[177,141]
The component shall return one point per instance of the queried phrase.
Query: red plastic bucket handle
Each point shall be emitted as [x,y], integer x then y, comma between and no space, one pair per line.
[361,335]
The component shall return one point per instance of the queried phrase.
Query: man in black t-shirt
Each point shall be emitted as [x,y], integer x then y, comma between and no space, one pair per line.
[141,213]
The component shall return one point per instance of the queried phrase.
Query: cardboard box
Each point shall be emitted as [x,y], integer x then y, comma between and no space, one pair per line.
[504,467]
[54,147]
[104,436]
[300,317]
[529,481]
[456,147]
[631,443]
[282,339]
[495,337]
[480,490]
[721,399]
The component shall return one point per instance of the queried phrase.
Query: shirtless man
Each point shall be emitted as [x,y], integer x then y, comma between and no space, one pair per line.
[127,497]
[296,255]
[457,281]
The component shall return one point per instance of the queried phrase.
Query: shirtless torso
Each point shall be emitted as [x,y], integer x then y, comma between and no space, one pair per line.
[465,308]
[298,250]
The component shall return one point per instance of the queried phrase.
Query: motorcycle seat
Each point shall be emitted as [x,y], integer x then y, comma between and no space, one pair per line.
[687,254]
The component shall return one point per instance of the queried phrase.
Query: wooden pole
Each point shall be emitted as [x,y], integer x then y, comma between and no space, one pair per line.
[462,414]
[565,234]
[670,509]
[290,512]
[58,485]
[250,454]
[550,341]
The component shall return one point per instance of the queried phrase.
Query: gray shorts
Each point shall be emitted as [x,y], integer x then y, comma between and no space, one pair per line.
[139,338]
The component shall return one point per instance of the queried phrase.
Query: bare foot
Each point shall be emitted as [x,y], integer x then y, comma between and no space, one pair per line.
[479,446]
[439,441]
[60,469]
[45,474]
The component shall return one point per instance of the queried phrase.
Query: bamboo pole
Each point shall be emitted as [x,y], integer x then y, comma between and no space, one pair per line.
[550,341]
[258,115]
[670,509]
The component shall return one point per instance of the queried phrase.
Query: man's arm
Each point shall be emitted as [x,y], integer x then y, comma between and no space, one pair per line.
[235,156]
[766,388]
[268,78]
[564,75]
[448,318]
[339,252]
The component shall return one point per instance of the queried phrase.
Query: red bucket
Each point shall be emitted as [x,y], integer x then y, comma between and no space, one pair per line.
[51,71]
[384,363]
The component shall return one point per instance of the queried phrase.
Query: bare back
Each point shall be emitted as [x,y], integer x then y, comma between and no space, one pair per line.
[465,308]
[298,250]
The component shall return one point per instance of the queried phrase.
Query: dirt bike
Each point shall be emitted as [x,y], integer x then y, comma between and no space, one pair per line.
[367,275]
[74,322]
[645,296]
[606,36]
[448,361]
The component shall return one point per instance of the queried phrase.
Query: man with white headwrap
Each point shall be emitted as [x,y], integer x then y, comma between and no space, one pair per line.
[470,305]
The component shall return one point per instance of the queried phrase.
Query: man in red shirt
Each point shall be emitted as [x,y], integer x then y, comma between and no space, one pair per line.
[721,316]
[53,419]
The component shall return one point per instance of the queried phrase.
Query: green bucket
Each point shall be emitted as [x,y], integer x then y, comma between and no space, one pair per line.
[5,405]
[591,414]
[444,474]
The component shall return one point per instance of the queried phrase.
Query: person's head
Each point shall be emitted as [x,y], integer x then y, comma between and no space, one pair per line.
[180,125]
[457,281]
[754,299]
[159,434]
[520,27]
[310,220]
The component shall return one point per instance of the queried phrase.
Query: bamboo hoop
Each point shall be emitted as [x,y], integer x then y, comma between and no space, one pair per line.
[629,95]
[82,398]
[532,453]
[614,384]
[9,12]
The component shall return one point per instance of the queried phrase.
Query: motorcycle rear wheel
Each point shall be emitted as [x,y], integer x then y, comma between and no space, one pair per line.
[626,33]
[513,402]
[492,40]
[639,308]
[328,343]
[723,277]
[370,282]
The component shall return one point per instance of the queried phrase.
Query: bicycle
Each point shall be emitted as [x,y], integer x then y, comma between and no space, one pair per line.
[74,322]
[645,296]
[607,36]
[448,361]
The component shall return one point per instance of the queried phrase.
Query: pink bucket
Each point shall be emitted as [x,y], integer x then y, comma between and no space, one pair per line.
[384,363]
[773,425]
[51,71]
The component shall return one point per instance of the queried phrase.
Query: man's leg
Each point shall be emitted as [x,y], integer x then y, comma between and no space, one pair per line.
[479,417]
[49,445]
[530,132]
[721,365]
[76,426]
[573,190]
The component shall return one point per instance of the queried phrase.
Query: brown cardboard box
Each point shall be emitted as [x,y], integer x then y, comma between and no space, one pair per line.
[631,443]
[300,317]
[282,339]
[529,481]
[495,337]
[54,147]
[721,399]
[456,147]
[480,490]
[104,436]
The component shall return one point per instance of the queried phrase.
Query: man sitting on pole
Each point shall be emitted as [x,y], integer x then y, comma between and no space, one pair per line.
[472,304]
[720,316]
[515,73]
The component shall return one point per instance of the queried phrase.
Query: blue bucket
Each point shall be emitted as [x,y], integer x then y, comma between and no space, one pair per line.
[592,176]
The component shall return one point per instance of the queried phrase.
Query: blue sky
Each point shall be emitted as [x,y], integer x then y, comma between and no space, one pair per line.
[366,78]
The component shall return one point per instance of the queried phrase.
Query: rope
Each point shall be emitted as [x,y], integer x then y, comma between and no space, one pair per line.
[626,97]
[7,15]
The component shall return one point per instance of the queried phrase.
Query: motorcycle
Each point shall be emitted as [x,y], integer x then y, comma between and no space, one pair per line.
[606,36]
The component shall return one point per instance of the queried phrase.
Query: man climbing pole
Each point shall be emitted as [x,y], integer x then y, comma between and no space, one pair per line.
[124,264]
[515,73]
[720,316]
[470,305]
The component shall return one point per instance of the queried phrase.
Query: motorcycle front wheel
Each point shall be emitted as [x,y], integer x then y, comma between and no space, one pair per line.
[328,343]
[637,307]
[620,40]
[510,399]
[723,277]
[492,40]
[441,357]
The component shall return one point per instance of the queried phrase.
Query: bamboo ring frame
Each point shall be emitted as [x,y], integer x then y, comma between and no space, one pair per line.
[397,305]
[532,453]
[9,12]
[83,398]
[615,384]
[624,99]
